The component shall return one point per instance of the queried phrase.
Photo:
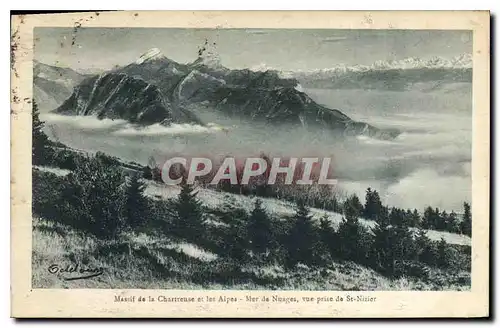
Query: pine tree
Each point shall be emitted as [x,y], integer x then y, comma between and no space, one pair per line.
[259,229]
[392,244]
[441,220]
[383,218]
[438,220]
[392,240]
[136,203]
[415,219]
[40,148]
[425,251]
[302,238]
[443,254]
[353,207]
[235,245]
[466,224]
[403,245]
[428,219]
[382,244]
[452,224]
[396,216]
[355,241]
[373,205]
[328,238]
[189,221]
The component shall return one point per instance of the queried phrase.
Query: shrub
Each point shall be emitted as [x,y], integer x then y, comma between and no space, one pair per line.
[92,198]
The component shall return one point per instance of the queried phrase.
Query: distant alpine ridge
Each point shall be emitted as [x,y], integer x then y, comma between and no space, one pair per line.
[53,85]
[463,61]
[395,75]
[156,89]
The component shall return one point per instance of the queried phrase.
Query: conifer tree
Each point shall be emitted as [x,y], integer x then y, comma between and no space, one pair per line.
[441,220]
[438,220]
[259,229]
[395,216]
[393,241]
[381,244]
[428,221]
[353,207]
[466,224]
[189,221]
[443,254]
[403,244]
[40,147]
[452,224]
[373,205]
[328,238]
[235,244]
[425,251]
[136,204]
[415,219]
[301,239]
[354,240]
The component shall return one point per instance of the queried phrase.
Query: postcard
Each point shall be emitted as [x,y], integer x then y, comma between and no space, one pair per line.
[250,164]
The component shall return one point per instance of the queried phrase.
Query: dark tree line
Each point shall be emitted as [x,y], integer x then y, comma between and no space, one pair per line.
[317,196]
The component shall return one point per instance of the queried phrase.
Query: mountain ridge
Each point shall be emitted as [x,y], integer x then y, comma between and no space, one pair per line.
[395,75]
[52,84]
[166,88]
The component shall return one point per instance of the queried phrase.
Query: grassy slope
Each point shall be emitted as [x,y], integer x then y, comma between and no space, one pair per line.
[149,261]
[214,199]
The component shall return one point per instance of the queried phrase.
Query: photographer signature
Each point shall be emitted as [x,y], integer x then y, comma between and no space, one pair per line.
[83,271]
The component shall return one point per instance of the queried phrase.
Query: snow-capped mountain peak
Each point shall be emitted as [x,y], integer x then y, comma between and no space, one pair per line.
[149,55]
[462,61]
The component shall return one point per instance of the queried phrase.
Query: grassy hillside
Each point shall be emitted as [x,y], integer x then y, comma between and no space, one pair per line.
[149,260]
[214,199]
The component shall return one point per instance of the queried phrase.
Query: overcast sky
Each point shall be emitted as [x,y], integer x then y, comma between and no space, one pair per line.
[103,48]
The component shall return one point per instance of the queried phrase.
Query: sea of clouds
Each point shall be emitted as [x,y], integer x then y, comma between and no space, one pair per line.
[429,163]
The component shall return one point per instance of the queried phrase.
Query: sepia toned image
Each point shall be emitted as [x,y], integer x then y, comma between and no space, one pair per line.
[294,169]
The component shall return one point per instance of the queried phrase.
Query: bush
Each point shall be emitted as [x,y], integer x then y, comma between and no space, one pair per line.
[46,192]
[89,199]
[94,196]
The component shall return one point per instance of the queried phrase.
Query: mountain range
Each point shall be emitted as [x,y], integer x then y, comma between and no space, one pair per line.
[52,85]
[395,75]
[155,89]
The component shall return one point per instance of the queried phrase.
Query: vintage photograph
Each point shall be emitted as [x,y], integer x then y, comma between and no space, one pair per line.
[391,108]
[237,158]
